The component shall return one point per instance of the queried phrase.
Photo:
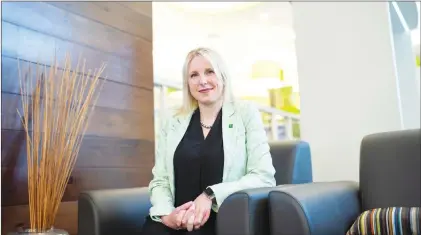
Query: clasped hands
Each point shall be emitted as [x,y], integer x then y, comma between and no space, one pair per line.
[191,215]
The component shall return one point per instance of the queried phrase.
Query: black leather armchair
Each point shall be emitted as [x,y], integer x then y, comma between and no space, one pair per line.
[123,211]
[390,166]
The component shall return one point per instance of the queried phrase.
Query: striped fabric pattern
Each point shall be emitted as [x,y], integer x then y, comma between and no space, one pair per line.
[388,221]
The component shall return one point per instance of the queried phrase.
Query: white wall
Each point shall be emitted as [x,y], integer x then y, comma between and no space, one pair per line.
[347,81]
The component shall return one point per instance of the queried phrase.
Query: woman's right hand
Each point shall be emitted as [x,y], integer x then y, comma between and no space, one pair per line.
[174,219]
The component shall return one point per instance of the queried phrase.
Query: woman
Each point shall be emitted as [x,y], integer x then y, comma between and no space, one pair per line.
[212,147]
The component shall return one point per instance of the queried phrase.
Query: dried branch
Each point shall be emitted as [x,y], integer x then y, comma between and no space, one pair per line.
[56,112]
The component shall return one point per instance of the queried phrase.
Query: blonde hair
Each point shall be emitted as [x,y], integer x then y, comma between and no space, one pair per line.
[189,102]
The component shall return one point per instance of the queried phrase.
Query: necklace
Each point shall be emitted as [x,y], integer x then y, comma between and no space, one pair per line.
[205,126]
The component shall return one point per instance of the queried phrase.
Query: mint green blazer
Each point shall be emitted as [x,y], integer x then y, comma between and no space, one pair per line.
[247,163]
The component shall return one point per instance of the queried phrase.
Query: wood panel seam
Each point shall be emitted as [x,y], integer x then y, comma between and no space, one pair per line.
[137,12]
[90,135]
[61,69]
[108,25]
[67,40]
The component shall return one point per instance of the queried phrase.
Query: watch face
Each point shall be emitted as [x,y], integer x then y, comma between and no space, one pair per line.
[209,192]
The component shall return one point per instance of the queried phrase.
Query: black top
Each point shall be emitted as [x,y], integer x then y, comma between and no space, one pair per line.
[198,161]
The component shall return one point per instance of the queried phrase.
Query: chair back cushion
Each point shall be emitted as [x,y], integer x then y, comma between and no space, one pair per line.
[390,167]
[292,162]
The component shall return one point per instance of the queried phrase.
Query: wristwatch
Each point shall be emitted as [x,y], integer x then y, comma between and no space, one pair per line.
[210,194]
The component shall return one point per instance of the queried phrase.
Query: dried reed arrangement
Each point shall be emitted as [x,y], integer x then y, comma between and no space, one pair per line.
[56,106]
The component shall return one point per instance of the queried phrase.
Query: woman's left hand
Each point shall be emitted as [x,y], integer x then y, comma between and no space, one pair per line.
[203,207]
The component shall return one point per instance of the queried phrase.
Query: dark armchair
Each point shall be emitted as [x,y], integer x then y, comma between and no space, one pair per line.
[123,211]
[390,166]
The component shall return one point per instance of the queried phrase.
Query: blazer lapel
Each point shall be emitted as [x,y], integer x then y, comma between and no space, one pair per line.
[228,134]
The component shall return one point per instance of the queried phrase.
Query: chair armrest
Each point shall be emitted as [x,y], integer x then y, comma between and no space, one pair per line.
[315,208]
[244,212]
[113,211]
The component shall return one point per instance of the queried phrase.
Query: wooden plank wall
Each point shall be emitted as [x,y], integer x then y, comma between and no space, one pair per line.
[118,149]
